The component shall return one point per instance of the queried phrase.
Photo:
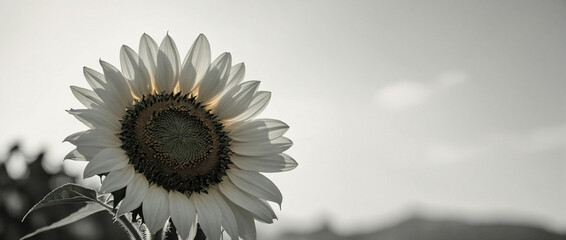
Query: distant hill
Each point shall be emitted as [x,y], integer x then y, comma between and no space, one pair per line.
[422,229]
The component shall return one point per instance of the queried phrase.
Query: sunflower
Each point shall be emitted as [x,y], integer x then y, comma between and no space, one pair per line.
[179,140]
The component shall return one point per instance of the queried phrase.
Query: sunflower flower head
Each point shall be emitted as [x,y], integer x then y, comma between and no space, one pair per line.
[180,141]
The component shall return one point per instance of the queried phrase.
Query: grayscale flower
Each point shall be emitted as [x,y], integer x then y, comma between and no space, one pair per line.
[180,140]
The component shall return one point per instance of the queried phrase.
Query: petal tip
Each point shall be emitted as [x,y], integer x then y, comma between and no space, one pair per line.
[202,37]
[88,173]
[146,36]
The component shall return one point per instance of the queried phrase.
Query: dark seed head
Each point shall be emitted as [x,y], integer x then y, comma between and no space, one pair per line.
[175,142]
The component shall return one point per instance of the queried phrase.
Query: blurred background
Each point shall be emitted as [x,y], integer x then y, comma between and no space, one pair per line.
[411,119]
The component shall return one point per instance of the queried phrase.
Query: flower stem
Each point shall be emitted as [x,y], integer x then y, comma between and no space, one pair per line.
[131,229]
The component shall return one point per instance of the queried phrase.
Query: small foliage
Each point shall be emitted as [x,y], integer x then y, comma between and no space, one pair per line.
[68,193]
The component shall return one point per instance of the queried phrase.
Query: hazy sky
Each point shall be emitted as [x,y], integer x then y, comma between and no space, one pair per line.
[450,107]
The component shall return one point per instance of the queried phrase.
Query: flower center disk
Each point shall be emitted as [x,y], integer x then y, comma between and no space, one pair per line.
[175,142]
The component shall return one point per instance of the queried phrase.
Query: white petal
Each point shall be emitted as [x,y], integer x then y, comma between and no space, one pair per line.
[97,118]
[135,70]
[95,137]
[118,179]
[274,163]
[76,114]
[259,130]
[226,102]
[98,83]
[89,151]
[195,64]
[148,53]
[87,97]
[95,79]
[228,219]
[257,149]
[74,155]
[135,193]
[73,137]
[209,215]
[167,72]
[129,61]
[100,137]
[261,209]
[237,100]
[255,184]
[155,208]
[215,78]
[109,159]
[117,84]
[237,73]
[260,101]
[183,213]
[246,224]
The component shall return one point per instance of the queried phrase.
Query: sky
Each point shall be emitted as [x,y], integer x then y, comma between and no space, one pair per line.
[442,108]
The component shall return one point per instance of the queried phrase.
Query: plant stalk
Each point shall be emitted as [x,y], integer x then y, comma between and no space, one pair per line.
[130,227]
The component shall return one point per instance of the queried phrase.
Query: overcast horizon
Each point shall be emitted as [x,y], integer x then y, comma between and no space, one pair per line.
[448,108]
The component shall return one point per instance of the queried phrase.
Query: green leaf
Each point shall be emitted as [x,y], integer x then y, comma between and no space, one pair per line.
[86,211]
[73,193]
[68,193]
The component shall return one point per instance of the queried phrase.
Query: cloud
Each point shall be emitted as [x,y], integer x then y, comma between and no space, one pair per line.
[402,94]
[451,78]
[408,93]
[542,139]
[446,152]
[539,140]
